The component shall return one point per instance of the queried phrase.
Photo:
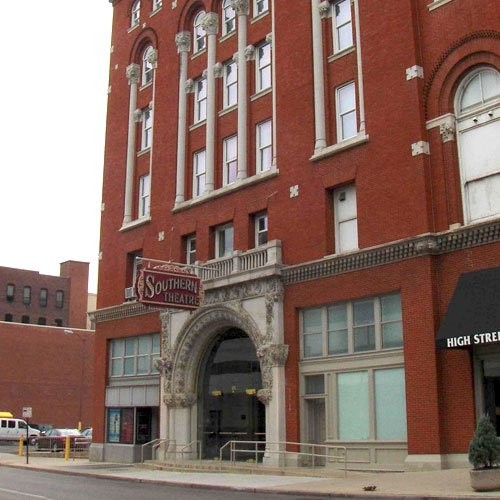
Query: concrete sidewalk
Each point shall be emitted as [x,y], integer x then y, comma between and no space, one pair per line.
[452,483]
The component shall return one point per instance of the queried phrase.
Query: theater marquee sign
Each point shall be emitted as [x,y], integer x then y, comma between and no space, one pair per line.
[169,286]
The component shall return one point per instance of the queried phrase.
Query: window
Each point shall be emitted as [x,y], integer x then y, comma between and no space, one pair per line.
[264,154]
[346,112]
[477,108]
[157,4]
[42,320]
[260,229]
[134,355]
[144,195]
[230,160]
[27,295]
[346,219]
[228,18]
[259,7]
[44,293]
[230,84]
[342,25]
[199,173]
[370,324]
[134,264]
[263,67]
[58,322]
[10,292]
[147,128]
[135,13]
[147,66]
[199,35]
[223,241]
[200,100]
[191,249]
[8,317]
[59,298]
[25,319]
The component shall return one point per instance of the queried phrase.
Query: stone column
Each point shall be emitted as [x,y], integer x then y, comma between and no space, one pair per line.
[361,92]
[241,9]
[133,73]
[210,24]
[318,78]
[182,40]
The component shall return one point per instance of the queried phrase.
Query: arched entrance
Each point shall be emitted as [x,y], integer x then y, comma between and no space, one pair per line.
[228,408]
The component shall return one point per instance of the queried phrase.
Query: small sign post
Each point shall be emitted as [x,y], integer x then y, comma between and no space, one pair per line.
[27,414]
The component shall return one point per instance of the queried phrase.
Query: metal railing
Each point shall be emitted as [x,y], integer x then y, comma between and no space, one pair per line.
[187,448]
[155,444]
[331,454]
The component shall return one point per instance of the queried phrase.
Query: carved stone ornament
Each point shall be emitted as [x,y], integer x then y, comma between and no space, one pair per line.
[325,9]
[273,354]
[210,23]
[180,399]
[447,131]
[264,395]
[218,70]
[183,41]
[250,52]
[133,73]
[189,86]
[152,56]
[138,115]
[240,7]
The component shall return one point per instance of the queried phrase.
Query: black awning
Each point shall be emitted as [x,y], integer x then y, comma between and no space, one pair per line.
[473,316]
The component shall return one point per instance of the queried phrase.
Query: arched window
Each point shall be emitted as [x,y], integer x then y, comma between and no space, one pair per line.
[228,18]
[477,108]
[147,66]
[135,14]
[199,36]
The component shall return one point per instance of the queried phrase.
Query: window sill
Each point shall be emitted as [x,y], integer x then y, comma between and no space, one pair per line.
[361,138]
[133,28]
[198,54]
[196,125]
[135,223]
[224,37]
[261,93]
[259,17]
[342,53]
[437,3]
[154,12]
[144,151]
[227,110]
[230,188]
[146,85]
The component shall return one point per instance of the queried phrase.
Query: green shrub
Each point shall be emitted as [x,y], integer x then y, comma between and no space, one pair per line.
[484,449]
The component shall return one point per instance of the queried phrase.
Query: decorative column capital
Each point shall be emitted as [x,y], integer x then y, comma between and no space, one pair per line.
[133,73]
[138,115]
[240,7]
[210,23]
[250,52]
[183,41]
[325,9]
[189,86]
[180,399]
[273,354]
[218,70]
[447,129]
[152,56]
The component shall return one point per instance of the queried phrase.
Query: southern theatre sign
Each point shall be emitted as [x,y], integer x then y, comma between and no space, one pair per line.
[169,286]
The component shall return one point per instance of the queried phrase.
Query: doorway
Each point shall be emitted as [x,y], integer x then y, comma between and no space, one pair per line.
[229,381]
[316,428]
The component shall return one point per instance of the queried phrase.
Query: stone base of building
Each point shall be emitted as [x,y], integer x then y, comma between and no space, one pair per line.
[119,453]
[436,462]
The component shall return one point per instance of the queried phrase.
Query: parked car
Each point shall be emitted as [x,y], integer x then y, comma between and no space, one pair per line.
[55,440]
[87,432]
[11,429]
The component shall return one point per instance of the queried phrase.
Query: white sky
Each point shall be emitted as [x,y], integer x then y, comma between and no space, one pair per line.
[53,84]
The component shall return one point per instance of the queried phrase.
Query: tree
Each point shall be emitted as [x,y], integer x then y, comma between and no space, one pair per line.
[484,449]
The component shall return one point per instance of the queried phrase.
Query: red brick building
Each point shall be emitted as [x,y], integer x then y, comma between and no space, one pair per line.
[329,169]
[47,352]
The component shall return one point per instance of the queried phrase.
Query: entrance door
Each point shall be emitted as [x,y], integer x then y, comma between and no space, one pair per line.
[316,428]
[230,409]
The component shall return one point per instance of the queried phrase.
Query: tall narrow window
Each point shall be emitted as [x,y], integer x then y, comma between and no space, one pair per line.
[228,18]
[263,67]
[230,160]
[260,229]
[342,25]
[337,329]
[199,173]
[135,14]
[224,241]
[478,126]
[144,195]
[364,325]
[264,156]
[147,66]
[191,249]
[157,4]
[346,219]
[346,112]
[44,293]
[230,84]
[59,298]
[27,295]
[199,35]
[259,7]
[147,128]
[200,100]
[10,292]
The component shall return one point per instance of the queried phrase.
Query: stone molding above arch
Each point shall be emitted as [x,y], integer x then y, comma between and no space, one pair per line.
[472,50]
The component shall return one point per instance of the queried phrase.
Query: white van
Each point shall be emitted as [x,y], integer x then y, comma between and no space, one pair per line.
[12,429]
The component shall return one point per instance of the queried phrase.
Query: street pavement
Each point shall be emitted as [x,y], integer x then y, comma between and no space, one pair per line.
[451,483]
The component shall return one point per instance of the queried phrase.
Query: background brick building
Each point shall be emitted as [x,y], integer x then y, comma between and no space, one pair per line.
[330,170]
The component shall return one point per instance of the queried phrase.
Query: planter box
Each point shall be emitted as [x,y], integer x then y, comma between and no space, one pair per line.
[485,479]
